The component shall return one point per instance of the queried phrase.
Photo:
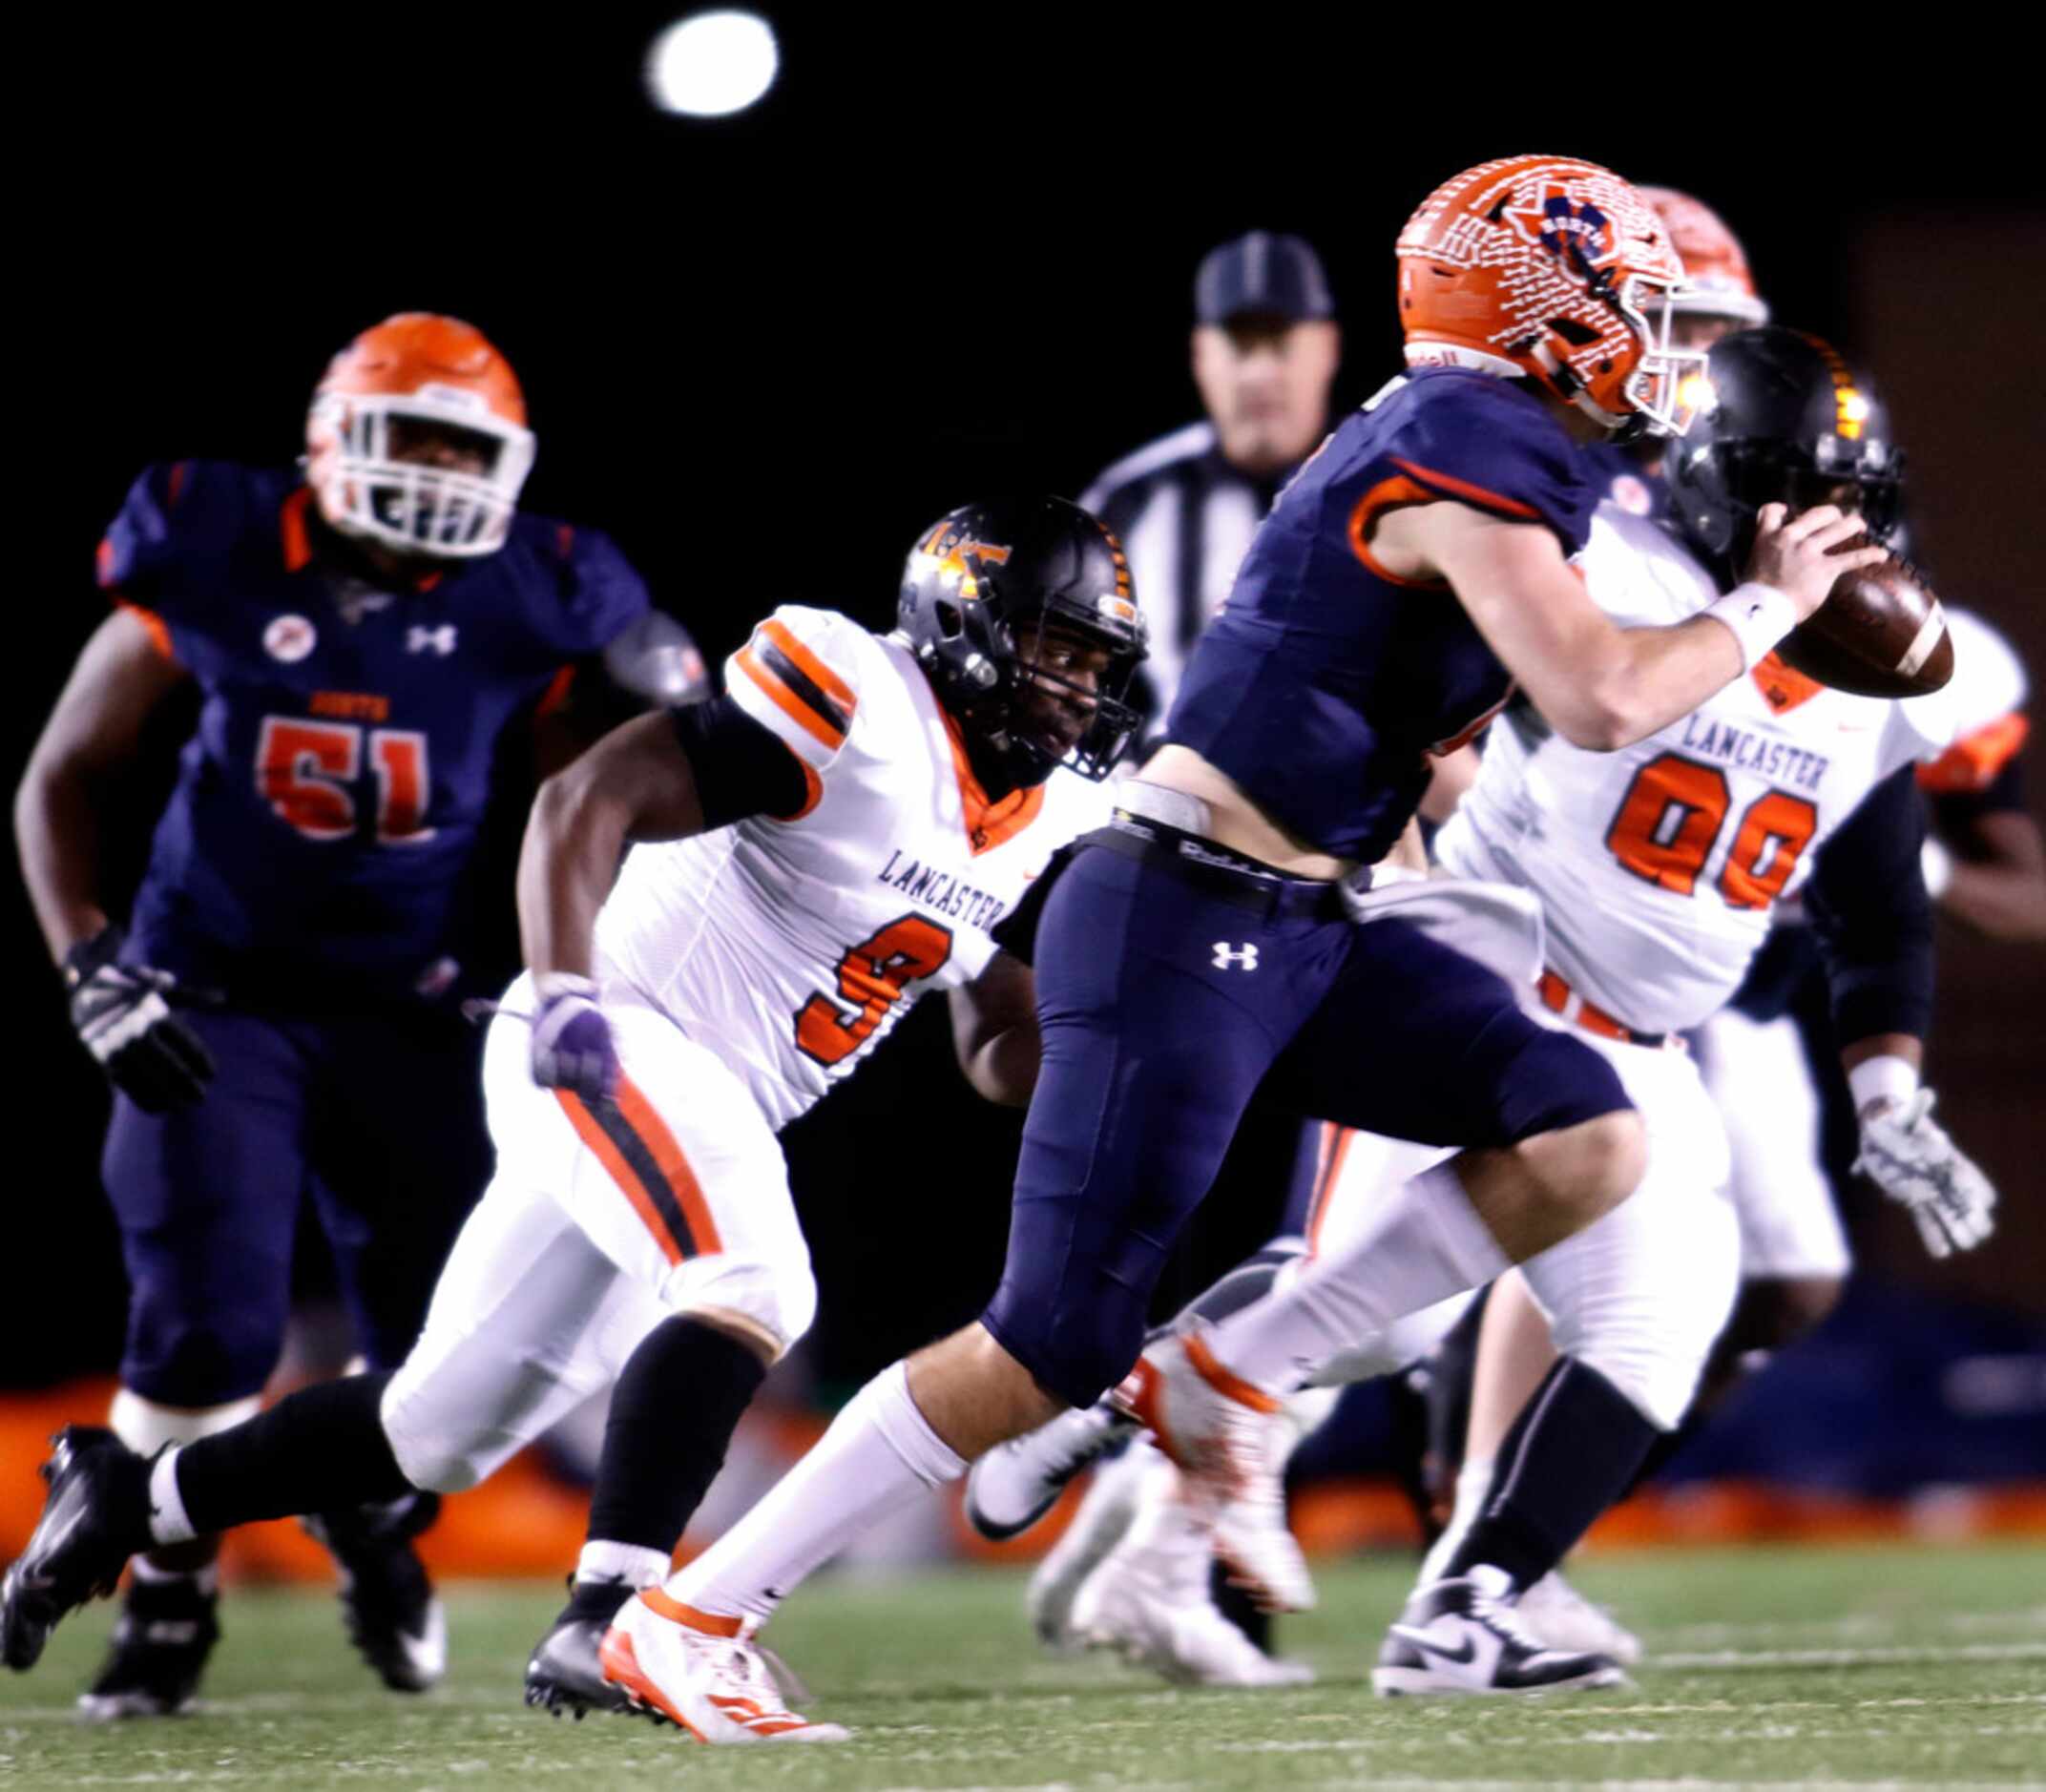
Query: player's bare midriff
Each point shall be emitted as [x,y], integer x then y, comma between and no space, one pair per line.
[1235,821]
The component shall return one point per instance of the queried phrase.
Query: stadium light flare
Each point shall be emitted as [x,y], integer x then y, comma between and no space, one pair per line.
[712,64]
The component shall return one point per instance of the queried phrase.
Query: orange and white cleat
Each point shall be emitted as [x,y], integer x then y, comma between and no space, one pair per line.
[702,1672]
[1231,1440]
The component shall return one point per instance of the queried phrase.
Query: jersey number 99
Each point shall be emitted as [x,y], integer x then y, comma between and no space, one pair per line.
[1671,816]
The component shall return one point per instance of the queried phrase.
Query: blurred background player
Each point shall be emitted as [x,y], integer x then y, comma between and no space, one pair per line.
[369,646]
[816,850]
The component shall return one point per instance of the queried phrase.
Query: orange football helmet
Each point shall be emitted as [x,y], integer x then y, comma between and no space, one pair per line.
[1717,281]
[1555,270]
[412,386]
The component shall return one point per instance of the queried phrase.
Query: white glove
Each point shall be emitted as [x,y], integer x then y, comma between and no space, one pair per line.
[1907,1154]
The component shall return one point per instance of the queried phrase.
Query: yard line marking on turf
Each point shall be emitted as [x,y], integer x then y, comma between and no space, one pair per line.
[1899,1656]
[1859,1626]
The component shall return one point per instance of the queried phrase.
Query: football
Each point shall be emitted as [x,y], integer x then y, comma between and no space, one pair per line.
[1880,633]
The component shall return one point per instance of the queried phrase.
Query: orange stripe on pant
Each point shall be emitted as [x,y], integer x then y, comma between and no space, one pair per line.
[659,1144]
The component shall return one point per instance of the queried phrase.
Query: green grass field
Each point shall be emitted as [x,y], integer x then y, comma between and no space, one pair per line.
[1777,1667]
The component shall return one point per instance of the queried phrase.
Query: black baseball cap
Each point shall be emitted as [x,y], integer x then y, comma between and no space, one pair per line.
[1263,272]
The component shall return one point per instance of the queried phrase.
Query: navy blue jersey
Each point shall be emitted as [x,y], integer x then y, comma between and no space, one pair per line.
[321,841]
[1325,682]
[1619,477]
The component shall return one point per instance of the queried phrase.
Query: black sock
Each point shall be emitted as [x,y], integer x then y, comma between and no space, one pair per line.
[1571,1453]
[1668,1444]
[672,1414]
[1237,1605]
[319,1449]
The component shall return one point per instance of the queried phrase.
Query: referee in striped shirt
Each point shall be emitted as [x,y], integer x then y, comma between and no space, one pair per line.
[1265,352]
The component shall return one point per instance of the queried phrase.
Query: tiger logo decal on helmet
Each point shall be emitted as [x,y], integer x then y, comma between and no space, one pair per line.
[1551,269]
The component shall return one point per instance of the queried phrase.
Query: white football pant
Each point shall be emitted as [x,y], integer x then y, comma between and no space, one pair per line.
[600,1222]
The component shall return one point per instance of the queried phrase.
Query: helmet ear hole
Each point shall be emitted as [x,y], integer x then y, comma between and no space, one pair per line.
[951,623]
[1576,334]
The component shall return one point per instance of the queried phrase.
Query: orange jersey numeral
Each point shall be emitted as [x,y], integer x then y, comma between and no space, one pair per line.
[1668,821]
[1770,840]
[871,976]
[1670,817]
[307,772]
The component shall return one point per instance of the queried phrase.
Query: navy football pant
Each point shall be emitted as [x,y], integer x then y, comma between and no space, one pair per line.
[378,1121]
[1163,1007]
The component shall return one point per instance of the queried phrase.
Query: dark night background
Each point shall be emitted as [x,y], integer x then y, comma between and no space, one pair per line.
[949,253]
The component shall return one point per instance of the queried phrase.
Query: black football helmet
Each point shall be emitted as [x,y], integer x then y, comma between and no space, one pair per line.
[1784,421]
[994,595]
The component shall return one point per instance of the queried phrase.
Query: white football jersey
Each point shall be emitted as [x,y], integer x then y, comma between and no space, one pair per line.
[1659,866]
[790,948]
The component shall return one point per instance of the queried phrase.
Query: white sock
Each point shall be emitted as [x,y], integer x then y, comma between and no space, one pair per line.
[1172,1538]
[206,1580]
[878,1452]
[634,1563]
[1473,1482]
[145,1426]
[168,1522]
[1427,1244]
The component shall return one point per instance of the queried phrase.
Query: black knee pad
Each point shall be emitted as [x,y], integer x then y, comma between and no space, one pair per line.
[178,1358]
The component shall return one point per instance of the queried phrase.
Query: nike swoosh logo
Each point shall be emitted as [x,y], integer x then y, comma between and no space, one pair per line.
[1462,1656]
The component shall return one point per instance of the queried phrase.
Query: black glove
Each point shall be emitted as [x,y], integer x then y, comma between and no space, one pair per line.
[123,1014]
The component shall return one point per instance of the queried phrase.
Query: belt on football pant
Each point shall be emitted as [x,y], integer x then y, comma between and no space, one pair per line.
[1560,998]
[1228,876]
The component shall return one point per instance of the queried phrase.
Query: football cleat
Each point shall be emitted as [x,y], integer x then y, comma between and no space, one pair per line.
[702,1672]
[166,1632]
[1564,1619]
[1149,1600]
[95,1518]
[1016,1482]
[1231,1440]
[393,1619]
[1100,1524]
[564,1673]
[1463,1636]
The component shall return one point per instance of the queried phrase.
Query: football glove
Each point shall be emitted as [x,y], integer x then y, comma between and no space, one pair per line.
[122,1012]
[571,1046]
[1907,1154]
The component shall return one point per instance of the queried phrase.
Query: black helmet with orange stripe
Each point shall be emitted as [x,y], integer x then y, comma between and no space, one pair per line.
[1021,612]
[1782,420]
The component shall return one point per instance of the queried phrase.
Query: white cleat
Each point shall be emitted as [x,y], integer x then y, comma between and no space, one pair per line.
[1564,1619]
[1149,1600]
[1463,1636]
[1016,1482]
[1231,1440]
[1096,1528]
[713,1681]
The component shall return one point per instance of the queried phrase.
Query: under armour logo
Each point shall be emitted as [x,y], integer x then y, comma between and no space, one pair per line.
[1240,957]
[441,640]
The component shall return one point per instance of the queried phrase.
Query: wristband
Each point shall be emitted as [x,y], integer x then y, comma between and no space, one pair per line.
[1757,615]
[1883,1080]
[1937,864]
[548,984]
